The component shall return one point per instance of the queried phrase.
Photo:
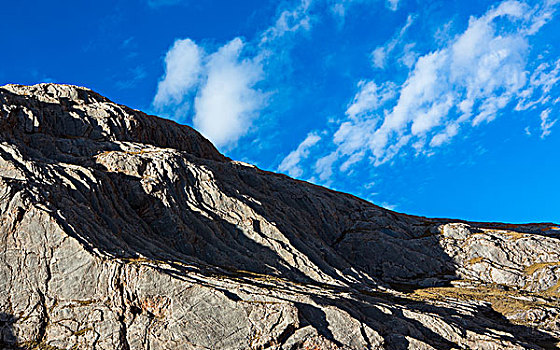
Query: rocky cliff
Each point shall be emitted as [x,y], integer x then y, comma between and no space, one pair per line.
[121,230]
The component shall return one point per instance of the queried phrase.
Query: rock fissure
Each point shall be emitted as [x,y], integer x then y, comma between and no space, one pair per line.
[121,318]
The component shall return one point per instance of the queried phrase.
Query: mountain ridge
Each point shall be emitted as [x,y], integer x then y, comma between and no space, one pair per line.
[219,155]
[121,229]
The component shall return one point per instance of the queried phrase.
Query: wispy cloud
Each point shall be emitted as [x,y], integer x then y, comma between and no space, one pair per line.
[369,97]
[135,76]
[381,53]
[393,4]
[465,83]
[537,92]
[324,167]
[388,206]
[291,164]
[546,123]
[289,21]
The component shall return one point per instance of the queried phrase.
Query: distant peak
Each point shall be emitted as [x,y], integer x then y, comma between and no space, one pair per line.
[51,92]
[69,111]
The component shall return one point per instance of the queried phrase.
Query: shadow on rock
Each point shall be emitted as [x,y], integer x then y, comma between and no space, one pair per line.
[8,339]
[355,243]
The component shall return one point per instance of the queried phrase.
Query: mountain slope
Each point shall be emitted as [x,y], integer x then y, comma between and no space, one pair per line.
[121,230]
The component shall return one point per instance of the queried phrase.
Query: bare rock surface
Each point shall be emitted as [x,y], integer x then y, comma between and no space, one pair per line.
[121,230]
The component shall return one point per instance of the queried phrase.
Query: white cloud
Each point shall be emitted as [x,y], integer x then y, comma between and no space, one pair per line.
[392,4]
[379,57]
[546,123]
[381,53]
[219,90]
[339,9]
[540,85]
[543,15]
[353,159]
[409,56]
[183,68]
[291,164]
[444,136]
[228,101]
[388,206]
[465,83]
[443,33]
[222,84]
[324,167]
[289,21]
[221,87]
[370,97]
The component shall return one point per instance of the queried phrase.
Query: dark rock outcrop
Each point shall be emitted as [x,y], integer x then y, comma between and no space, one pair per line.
[121,230]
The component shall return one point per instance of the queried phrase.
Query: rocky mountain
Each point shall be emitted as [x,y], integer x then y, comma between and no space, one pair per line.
[121,230]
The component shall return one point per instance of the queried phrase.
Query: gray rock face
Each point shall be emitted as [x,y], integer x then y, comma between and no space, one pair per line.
[121,230]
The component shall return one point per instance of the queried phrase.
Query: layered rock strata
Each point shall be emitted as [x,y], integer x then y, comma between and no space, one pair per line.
[121,230]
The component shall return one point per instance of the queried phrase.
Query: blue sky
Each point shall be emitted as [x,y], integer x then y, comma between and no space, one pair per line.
[436,108]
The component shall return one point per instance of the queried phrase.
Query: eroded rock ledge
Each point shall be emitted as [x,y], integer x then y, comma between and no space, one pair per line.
[121,230]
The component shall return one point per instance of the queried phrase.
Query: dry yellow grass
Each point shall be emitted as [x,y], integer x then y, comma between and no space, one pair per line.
[553,290]
[102,154]
[514,235]
[529,270]
[82,331]
[142,151]
[86,302]
[475,260]
[502,301]
[138,260]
